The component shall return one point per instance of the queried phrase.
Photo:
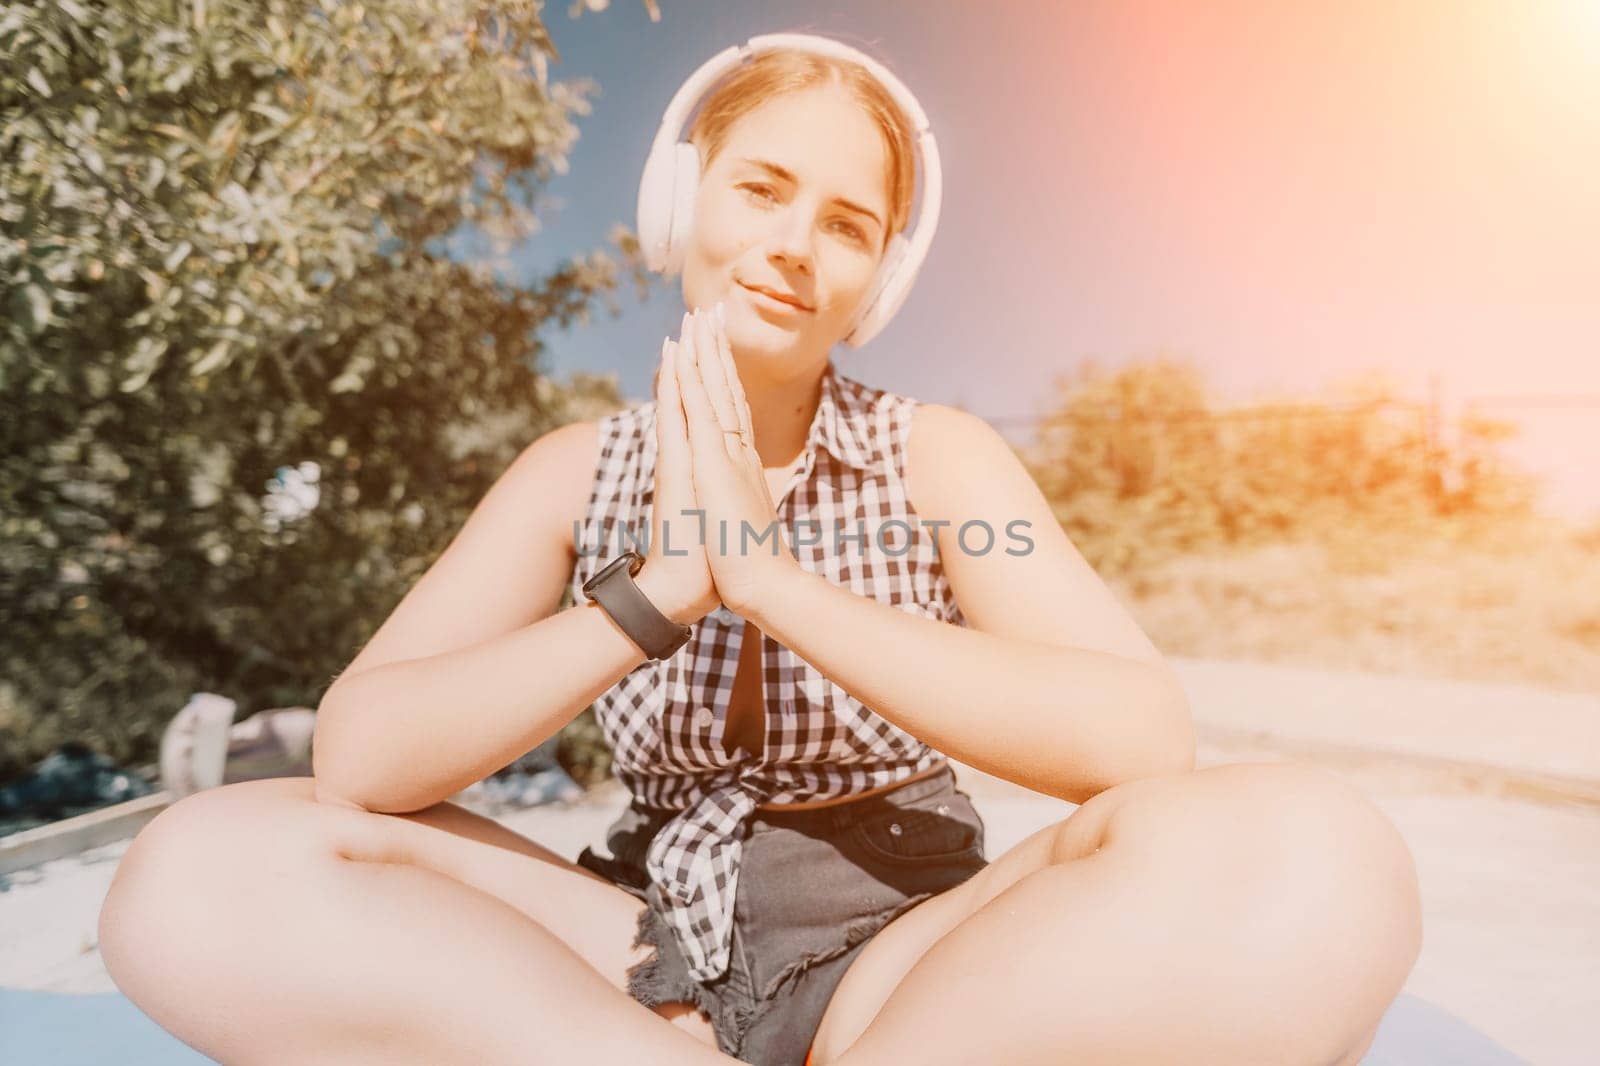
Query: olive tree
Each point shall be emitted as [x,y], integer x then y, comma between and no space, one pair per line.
[222,261]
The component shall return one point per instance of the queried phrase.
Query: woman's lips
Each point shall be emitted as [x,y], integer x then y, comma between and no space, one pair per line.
[772,301]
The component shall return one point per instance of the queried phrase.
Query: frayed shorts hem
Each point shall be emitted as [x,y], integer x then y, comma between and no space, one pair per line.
[664,976]
[794,937]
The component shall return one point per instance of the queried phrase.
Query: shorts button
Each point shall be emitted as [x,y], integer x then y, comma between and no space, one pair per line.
[703,717]
[894,827]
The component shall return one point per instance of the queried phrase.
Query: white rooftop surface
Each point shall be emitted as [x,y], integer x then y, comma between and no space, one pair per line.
[1511,888]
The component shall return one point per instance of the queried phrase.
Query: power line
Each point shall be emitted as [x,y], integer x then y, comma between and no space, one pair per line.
[1113,414]
[1549,400]
[1197,416]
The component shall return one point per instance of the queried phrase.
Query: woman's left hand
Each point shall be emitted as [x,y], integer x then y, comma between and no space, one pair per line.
[729,483]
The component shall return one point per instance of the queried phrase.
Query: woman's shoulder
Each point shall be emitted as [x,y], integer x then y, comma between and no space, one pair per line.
[940,445]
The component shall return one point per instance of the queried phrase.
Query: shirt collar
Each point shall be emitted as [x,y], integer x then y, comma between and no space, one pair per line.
[841,422]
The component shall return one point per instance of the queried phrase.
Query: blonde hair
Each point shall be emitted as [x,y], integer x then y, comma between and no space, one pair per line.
[786,70]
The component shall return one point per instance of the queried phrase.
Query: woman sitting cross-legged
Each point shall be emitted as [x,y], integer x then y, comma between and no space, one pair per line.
[840,590]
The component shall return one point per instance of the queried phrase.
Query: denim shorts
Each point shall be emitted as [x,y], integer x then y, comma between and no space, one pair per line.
[814,887]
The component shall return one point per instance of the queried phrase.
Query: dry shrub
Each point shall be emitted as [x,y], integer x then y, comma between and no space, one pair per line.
[1344,535]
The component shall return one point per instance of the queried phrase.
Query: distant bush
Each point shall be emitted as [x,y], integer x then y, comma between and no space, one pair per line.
[220,255]
[1139,465]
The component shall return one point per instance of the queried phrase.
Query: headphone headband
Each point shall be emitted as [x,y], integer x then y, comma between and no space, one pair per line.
[672,174]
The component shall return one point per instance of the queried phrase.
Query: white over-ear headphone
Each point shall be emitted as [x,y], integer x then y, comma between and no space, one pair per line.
[672,174]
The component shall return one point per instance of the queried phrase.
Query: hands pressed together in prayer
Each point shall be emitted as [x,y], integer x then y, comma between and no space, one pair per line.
[706,461]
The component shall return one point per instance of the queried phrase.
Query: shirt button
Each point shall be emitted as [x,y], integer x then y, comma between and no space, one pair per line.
[703,717]
[724,616]
[894,827]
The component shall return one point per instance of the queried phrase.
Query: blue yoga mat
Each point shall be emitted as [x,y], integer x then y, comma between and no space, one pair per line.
[58,1030]
[48,1029]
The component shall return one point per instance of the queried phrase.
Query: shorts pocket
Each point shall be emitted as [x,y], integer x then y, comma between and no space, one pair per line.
[939,828]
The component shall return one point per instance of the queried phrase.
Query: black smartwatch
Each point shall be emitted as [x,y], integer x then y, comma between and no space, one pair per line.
[614,590]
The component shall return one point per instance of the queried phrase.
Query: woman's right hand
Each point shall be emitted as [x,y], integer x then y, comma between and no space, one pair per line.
[679,584]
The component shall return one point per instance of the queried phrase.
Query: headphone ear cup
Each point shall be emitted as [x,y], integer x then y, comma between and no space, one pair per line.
[685,185]
[655,208]
[891,284]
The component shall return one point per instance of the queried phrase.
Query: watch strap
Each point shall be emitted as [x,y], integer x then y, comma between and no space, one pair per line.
[620,597]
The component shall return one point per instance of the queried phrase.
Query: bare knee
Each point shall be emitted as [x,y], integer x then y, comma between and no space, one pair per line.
[1308,821]
[1293,876]
[197,863]
[1299,832]
[1330,843]
[207,832]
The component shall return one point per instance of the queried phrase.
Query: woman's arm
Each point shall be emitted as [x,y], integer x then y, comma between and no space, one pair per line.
[1054,687]
[473,668]
[405,735]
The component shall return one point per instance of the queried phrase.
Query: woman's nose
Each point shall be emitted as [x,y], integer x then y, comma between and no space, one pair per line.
[792,242]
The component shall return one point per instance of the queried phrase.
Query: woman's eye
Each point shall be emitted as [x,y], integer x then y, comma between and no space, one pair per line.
[759,189]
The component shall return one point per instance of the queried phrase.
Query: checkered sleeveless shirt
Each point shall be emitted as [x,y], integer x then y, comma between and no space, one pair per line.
[849,519]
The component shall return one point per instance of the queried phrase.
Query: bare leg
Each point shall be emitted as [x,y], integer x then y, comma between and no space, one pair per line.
[253,938]
[1250,913]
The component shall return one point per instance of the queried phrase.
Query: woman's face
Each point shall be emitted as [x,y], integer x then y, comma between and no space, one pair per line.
[810,230]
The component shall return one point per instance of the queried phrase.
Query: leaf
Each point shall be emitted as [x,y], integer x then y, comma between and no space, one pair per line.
[155,171]
[175,258]
[38,82]
[211,360]
[276,114]
[354,376]
[30,305]
[179,77]
[142,363]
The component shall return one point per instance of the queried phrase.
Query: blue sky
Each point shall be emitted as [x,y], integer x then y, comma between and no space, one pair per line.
[1287,195]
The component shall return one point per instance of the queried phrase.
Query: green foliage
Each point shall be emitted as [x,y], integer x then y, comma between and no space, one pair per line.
[220,231]
[1139,466]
